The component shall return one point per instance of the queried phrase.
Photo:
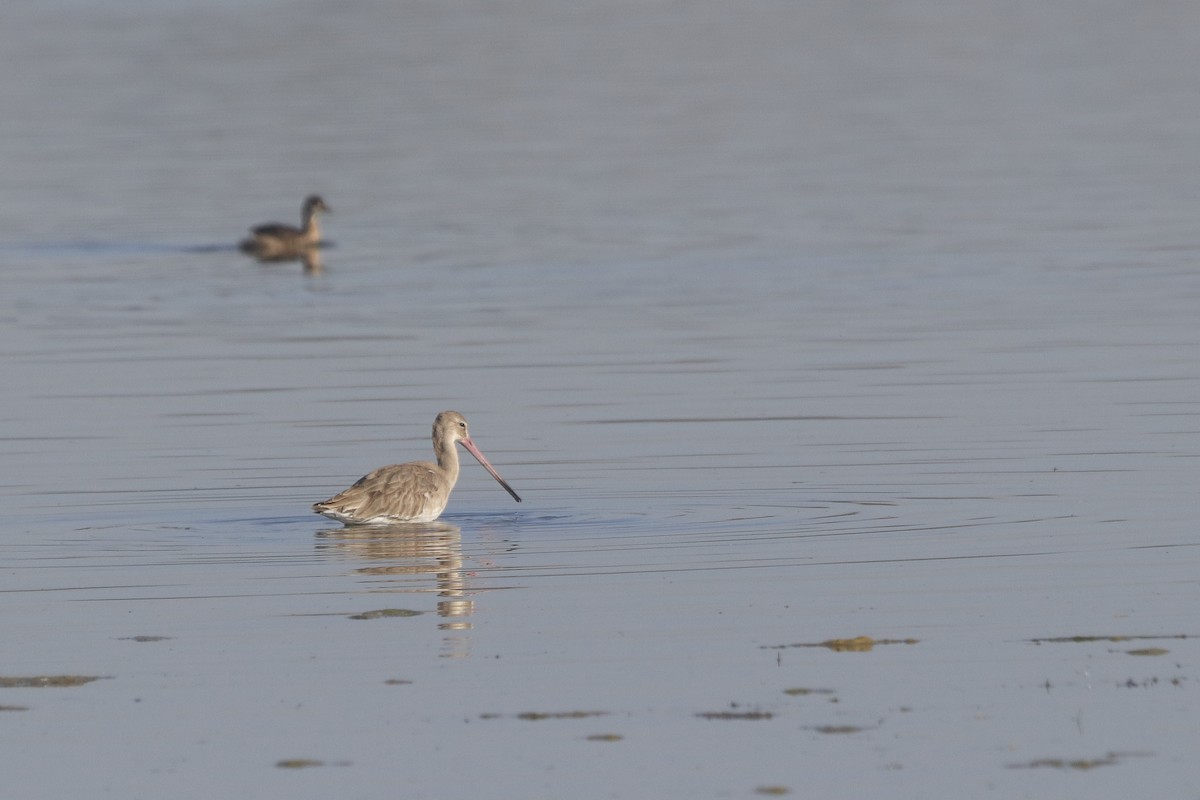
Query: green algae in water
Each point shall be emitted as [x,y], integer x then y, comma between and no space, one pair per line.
[299,763]
[388,612]
[775,791]
[605,737]
[856,644]
[1149,651]
[835,729]
[1113,638]
[1106,760]
[751,715]
[537,716]
[800,691]
[46,681]
[540,715]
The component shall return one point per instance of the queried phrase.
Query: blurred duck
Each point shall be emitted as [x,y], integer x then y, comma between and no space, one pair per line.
[275,241]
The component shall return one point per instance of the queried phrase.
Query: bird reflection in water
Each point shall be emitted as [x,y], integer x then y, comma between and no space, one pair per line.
[310,258]
[421,558]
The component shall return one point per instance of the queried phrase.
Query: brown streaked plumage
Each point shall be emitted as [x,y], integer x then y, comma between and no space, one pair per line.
[276,241]
[414,492]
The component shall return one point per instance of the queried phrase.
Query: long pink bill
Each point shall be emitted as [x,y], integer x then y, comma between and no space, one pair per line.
[467,443]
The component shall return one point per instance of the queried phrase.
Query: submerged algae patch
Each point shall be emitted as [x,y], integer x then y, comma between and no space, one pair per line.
[856,644]
[839,728]
[387,612]
[540,715]
[735,715]
[1111,638]
[44,681]
[1108,759]
[536,716]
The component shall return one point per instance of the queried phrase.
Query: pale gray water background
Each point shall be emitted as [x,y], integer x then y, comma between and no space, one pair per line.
[790,321]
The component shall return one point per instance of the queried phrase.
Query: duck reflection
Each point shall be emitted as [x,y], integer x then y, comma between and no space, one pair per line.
[310,258]
[421,557]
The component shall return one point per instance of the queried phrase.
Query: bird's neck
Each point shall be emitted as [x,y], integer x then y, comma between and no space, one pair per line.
[447,458]
[312,231]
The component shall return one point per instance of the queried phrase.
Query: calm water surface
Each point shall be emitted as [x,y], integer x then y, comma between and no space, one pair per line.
[789,323]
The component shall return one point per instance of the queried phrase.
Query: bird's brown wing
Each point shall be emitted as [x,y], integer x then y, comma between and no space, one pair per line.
[401,492]
[276,229]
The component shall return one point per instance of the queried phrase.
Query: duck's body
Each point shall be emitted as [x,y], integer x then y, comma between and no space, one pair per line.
[414,492]
[275,240]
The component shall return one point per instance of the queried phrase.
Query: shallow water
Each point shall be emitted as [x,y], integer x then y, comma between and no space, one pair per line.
[789,324]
